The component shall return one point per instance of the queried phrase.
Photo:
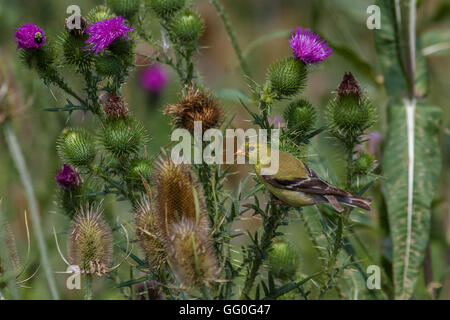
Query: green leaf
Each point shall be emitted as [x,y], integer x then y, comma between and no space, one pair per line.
[436,42]
[411,166]
[232,94]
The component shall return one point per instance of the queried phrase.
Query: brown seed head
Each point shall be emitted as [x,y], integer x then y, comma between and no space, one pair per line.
[348,86]
[195,105]
[75,25]
[148,235]
[90,241]
[149,290]
[113,105]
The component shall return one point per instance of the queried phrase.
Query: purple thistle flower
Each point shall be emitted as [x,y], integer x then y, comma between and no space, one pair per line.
[103,33]
[29,36]
[154,78]
[309,47]
[68,177]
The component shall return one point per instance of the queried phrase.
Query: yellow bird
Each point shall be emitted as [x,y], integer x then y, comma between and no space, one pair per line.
[296,185]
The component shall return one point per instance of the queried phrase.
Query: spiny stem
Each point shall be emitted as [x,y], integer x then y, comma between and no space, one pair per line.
[221,12]
[19,162]
[88,287]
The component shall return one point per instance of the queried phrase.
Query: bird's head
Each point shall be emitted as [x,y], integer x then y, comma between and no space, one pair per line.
[255,152]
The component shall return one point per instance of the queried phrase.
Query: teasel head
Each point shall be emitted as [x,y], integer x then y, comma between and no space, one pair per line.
[76,147]
[75,25]
[177,196]
[283,261]
[195,105]
[8,240]
[287,77]
[122,137]
[186,28]
[113,105]
[147,234]
[126,8]
[165,9]
[300,117]
[350,113]
[191,255]
[90,241]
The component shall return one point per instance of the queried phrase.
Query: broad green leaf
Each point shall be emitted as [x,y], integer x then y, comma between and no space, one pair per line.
[411,166]
[436,42]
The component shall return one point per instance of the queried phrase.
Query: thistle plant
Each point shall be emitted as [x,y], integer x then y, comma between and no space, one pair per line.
[183,214]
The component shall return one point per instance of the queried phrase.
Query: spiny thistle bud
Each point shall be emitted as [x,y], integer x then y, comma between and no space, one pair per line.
[191,255]
[177,196]
[148,236]
[187,27]
[287,76]
[365,164]
[350,113]
[86,193]
[90,241]
[99,13]
[283,260]
[107,65]
[122,137]
[8,240]
[73,51]
[195,105]
[149,290]
[76,147]
[125,8]
[165,9]
[138,169]
[75,25]
[300,117]
[113,105]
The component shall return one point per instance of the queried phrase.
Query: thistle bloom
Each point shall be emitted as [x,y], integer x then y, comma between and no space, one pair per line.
[103,33]
[309,47]
[67,177]
[154,78]
[29,36]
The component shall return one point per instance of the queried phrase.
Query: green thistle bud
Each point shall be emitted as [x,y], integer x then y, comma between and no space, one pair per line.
[77,197]
[283,260]
[191,255]
[99,13]
[187,27]
[350,113]
[42,60]
[125,8]
[73,51]
[165,9]
[90,241]
[148,235]
[137,168]
[300,117]
[106,65]
[76,147]
[122,137]
[364,164]
[287,76]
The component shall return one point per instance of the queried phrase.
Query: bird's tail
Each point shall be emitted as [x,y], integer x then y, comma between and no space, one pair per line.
[355,201]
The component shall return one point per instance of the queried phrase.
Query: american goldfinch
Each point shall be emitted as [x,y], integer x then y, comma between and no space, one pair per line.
[296,185]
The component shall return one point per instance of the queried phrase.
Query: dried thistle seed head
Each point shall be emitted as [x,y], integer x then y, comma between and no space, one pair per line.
[349,87]
[283,260]
[187,27]
[123,136]
[75,25]
[287,77]
[149,290]
[176,196]
[113,105]
[191,255]
[195,105]
[148,236]
[90,241]
[76,147]
[165,9]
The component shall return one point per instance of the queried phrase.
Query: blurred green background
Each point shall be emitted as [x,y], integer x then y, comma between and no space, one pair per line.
[341,22]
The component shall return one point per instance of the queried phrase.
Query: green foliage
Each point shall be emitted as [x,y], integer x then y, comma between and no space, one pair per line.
[138,167]
[122,137]
[283,260]
[126,8]
[87,193]
[76,147]
[287,77]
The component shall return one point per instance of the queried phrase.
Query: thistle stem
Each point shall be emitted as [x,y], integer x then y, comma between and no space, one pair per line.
[19,162]
[88,287]
[231,34]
